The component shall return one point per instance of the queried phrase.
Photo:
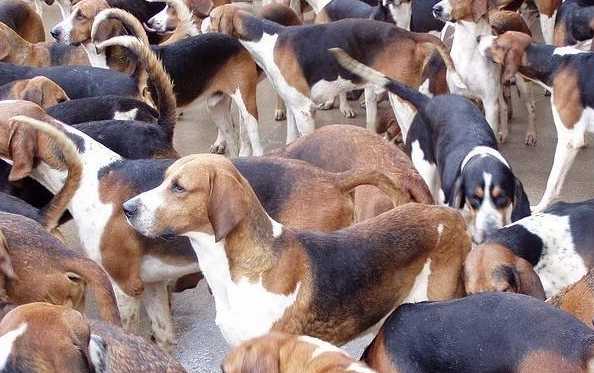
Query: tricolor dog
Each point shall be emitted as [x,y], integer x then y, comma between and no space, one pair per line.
[482,333]
[304,74]
[575,24]
[577,299]
[40,90]
[558,243]
[566,73]
[455,150]
[22,18]
[265,276]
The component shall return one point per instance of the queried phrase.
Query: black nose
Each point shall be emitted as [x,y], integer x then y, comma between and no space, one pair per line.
[437,10]
[130,209]
[55,34]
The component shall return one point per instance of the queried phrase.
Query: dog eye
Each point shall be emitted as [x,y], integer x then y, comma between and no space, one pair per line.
[80,17]
[176,188]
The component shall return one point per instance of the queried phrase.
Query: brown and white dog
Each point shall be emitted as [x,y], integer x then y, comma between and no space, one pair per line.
[176,21]
[577,299]
[20,17]
[40,90]
[304,74]
[285,353]
[267,277]
[15,49]
[566,73]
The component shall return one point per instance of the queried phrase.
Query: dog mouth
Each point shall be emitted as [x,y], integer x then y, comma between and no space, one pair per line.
[159,31]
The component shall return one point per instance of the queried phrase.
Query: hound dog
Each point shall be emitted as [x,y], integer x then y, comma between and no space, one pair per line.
[481,76]
[294,354]
[47,334]
[15,49]
[176,21]
[20,17]
[304,74]
[577,299]
[107,107]
[268,277]
[455,151]
[487,332]
[557,242]
[565,72]
[40,90]
[575,24]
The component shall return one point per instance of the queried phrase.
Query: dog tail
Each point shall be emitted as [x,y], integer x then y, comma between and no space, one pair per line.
[400,189]
[185,26]
[157,75]
[130,23]
[64,149]
[416,98]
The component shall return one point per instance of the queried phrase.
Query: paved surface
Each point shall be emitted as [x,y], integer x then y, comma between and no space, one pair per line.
[200,346]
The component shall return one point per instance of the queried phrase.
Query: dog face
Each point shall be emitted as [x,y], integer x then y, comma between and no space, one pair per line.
[76,28]
[508,50]
[42,91]
[42,337]
[200,193]
[489,190]
[493,267]
[165,21]
[460,10]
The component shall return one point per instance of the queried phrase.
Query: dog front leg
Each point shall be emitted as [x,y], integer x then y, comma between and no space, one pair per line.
[492,113]
[291,126]
[219,107]
[304,121]
[156,302]
[344,106]
[129,308]
[525,89]
[371,109]
[248,111]
[503,122]
[280,113]
[404,113]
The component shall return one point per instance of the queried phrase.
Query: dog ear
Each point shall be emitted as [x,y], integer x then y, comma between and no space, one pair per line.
[107,30]
[479,9]
[511,64]
[33,93]
[529,282]
[457,195]
[227,205]
[521,204]
[22,147]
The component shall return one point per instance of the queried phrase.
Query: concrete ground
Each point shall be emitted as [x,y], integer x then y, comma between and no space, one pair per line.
[200,345]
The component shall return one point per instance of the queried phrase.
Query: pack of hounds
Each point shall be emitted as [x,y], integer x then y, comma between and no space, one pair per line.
[414,230]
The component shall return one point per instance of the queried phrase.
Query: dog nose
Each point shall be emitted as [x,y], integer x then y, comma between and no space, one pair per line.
[55,33]
[437,10]
[130,208]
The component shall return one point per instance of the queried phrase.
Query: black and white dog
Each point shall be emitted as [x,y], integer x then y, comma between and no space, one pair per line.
[455,151]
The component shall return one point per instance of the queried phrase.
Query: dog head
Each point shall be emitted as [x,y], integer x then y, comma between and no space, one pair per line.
[44,337]
[507,50]
[493,267]
[76,28]
[200,193]
[489,190]
[164,22]
[466,10]
[40,90]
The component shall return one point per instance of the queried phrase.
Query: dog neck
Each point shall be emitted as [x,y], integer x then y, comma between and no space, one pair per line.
[254,29]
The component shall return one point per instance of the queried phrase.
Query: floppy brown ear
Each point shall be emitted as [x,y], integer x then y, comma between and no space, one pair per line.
[202,8]
[107,30]
[511,64]
[22,146]
[529,282]
[6,267]
[479,9]
[227,205]
[33,93]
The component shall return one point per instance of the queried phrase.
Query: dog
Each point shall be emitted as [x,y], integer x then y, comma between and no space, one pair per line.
[574,24]
[40,90]
[485,332]
[109,107]
[290,354]
[176,21]
[20,17]
[556,242]
[481,76]
[38,336]
[305,79]
[205,198]
[14,49]
[577,299]
[565,73]
[455,151]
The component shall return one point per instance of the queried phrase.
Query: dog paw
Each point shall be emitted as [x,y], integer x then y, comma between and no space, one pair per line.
[217,149]
[502,137]
[530,139]
[280,115]
[326,105]
[348,112]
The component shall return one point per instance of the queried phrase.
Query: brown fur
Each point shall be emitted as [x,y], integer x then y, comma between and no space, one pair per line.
[82,25]
[278,352]
[550,362]
[492,267]
[547,7]
[508,50]
[40,90]
[505,20]
[376,355]
[182,20]
[16,50]
[30,25]
[280,14]
[567,98]
[577,299]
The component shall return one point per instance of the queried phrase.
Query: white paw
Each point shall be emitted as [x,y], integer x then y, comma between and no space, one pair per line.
[280,115]
[530,139]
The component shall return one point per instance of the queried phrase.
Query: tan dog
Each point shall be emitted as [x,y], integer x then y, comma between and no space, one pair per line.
[577,299]
[14,49]
[267,277]
[23,19]
[285,353]
[40,90]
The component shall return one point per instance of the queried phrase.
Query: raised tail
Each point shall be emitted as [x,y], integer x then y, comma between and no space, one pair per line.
[64,149]
[416,98]
[157,75]
[399,189]
[130,23]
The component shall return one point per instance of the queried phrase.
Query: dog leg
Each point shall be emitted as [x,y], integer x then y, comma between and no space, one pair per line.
[291,126]
[327,105]
[280,113]
[371,109]
[156,302]
[219,107]
[503,122]
[345,107]
[219,145]
[129,308]
[492,113]
[404,113]
[304,121]
[525,89]
[547,25]
[507,96]
[248,112]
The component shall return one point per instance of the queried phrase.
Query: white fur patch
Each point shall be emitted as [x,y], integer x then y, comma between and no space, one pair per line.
[569,50]
[95,58]
[126,115]
[427,170]
[487,217]
[401,14]
[244,309]
[7,342]
[359,368]
[158,22]
[322,347]
[153,269]
[483,151]
[277,228]
[420,288]
[560,265]
[325,90]
[98,352]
